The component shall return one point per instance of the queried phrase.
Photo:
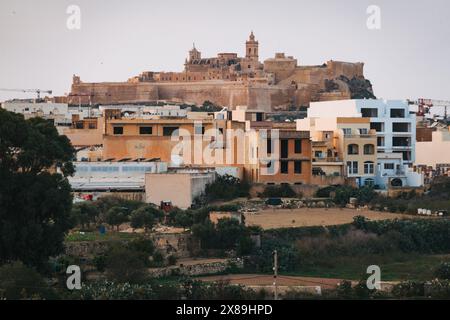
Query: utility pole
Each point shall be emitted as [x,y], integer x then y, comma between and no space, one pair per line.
[275,274]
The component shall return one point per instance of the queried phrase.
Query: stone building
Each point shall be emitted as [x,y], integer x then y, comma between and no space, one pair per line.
[230,80]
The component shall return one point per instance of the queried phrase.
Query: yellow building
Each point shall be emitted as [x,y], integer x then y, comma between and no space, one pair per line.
[342,147]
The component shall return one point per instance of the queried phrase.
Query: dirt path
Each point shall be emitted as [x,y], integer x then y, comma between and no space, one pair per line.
[303,217]
[267,280]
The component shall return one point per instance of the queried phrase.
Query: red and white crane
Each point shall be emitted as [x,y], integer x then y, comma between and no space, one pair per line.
[425,105]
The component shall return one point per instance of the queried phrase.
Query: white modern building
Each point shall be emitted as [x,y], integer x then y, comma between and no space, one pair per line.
[148,112]
[395,126]
[113,176]
[60,113]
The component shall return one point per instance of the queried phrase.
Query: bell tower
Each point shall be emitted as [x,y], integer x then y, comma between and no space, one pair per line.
[194,54]
[251,48]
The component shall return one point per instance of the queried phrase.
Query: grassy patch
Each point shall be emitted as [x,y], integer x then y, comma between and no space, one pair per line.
[395,267]
[96,236]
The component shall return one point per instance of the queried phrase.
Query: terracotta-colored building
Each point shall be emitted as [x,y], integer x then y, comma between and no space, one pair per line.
[283,160]
[198,140]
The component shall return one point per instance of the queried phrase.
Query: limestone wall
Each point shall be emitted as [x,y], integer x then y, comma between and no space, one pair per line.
[225,93]
[112,92]
[196,269]
[284,72]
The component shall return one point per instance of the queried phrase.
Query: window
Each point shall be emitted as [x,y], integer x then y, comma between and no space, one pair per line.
[377,126]
[168,131]
[92,125]
[369,149]
[400,127]
[79,125]
[259,116]
[388,166]
[297,167]
[284,148]
[380,142]
[298,146]
[363,131]
[369,182]
[199,130]
[369,112]
[145,130]
[353,149]
[352,167]
[401,142]
[369,167]
[269,146]
[405,154]
[397,113]
[284,167]
[318,154]
[347,131]
[118,130]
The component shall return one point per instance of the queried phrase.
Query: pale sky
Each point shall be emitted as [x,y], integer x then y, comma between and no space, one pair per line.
[407,58]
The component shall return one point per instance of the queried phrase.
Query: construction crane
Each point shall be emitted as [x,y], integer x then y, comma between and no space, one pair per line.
[37,91]
[424,105]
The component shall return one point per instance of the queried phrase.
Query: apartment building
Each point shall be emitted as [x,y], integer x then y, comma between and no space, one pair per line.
[197,139]
[395,127]
[342,147]
[282,155]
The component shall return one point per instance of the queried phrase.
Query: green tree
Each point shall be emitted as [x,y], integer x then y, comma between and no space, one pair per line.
[85,213]
[125,265]
[18,281]
[116,216]
[35,201]
[226,187]
[183,220]
[143,218]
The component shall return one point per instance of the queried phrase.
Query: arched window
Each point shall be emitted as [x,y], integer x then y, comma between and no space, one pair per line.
[396,182]
[369,149]
[352,149]
[369,167]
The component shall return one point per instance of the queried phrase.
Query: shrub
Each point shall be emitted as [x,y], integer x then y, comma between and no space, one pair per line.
[282,191]
[443,271]
[226,187]
[125,265]
[100,262]
[142,245]
[325,192]
[408,289]
[172,260]
[18,281]
[157,259]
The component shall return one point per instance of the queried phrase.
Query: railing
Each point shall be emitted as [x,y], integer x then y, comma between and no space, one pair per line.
[327,159]
[364,136]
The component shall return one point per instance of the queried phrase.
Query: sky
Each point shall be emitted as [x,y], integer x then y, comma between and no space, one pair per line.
[406,58]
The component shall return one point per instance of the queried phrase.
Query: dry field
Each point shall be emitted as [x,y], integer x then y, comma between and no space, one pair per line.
[267,280]
[304,217]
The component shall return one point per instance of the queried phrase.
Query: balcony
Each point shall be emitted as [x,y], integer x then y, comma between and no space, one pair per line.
[360,136]
[327,159]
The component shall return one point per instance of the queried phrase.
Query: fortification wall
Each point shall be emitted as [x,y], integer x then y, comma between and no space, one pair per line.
[113,92]
[310,80]
[225,93]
